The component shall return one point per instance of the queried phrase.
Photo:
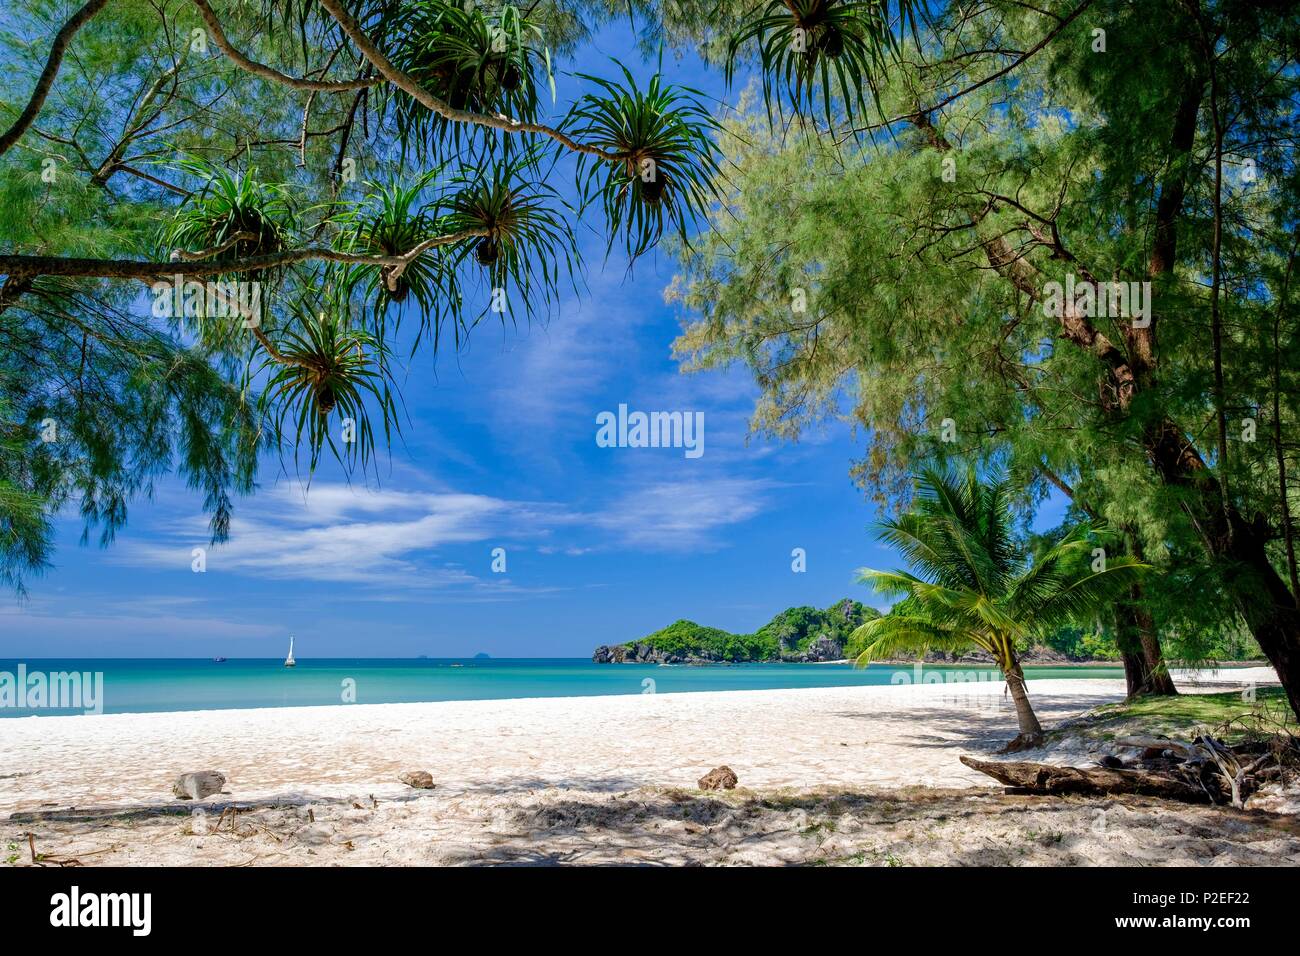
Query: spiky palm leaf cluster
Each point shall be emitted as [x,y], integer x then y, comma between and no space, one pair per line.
[483,62]
[232,216]
[529,242]
[667,157]
[974,584]
[393,220]
[228,205]
[322,364]
[835,48]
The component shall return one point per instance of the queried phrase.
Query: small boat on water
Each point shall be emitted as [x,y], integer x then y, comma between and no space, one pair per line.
[289,661]
[218,660]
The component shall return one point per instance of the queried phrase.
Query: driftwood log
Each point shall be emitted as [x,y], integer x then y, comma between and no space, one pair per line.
[1048,779]
[1202,770]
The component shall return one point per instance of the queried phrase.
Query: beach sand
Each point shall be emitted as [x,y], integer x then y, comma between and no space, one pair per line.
[827,775]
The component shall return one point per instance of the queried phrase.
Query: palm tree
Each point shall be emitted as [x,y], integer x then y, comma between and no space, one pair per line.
[975,585]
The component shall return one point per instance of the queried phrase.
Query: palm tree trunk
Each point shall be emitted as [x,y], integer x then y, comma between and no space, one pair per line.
[1031,731]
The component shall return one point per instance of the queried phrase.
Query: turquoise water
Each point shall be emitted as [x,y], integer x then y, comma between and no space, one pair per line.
[135,686]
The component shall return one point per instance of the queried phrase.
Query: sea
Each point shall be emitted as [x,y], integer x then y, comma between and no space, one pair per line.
[119,685]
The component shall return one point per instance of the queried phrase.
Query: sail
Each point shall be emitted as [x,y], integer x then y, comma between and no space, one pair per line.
[289,661]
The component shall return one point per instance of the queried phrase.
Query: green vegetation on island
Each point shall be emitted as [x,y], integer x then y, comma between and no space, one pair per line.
[796,634]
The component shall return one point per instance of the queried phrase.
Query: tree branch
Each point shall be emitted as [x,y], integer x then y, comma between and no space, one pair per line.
[266,72]
[184,255]
[141,174]
[46,80]
[1062,23]
[135,126]
[19,268]
[406,83]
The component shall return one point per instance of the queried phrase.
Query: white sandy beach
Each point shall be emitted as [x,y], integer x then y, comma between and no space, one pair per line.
[597,779]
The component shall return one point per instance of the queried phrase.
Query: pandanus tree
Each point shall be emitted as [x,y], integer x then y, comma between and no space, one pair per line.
[662,179]
[827,52]
[972,584]
[362,162]
[393,219]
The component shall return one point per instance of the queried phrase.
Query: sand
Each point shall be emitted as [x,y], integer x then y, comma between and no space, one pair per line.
[827,775]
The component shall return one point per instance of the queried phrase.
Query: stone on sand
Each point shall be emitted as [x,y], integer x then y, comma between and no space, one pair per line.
[719,778]
[419,779]
[197,785]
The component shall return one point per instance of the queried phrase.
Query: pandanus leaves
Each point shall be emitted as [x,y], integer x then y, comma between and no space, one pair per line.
[659,157]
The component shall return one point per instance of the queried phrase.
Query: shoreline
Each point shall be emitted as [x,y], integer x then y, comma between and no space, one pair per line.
[846,774]
[1260,674]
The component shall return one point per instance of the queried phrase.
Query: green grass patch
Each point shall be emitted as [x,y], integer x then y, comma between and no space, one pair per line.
[1229,715]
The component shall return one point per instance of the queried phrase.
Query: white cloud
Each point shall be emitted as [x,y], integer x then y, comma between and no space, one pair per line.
[343,534]
[340,534]
[682,515]
[557,369]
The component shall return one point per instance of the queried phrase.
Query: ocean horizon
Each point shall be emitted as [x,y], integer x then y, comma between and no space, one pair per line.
[150,685]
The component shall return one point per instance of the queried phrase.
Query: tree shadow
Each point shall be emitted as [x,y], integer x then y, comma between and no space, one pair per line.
[183,808]
[680,827]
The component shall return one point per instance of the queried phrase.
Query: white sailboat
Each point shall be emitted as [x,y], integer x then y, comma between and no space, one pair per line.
[289,661]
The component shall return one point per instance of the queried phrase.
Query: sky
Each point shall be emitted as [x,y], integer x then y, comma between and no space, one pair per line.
[601,545]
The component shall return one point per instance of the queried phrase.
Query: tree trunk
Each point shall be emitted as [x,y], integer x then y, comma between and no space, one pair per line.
[1135,665]
[1145,671]
[1031,731]
[1160,681]
[1240,547]
[1268,606]
[1263,599]
[1136,672]
[1156,679]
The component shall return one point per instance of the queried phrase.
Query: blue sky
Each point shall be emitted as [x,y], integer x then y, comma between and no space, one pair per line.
[602,544]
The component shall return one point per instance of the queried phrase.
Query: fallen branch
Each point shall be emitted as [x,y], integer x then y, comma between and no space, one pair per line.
[1155,743]
[1051,780]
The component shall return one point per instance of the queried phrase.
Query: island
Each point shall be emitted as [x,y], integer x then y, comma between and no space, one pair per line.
[806,635]
[797,634]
